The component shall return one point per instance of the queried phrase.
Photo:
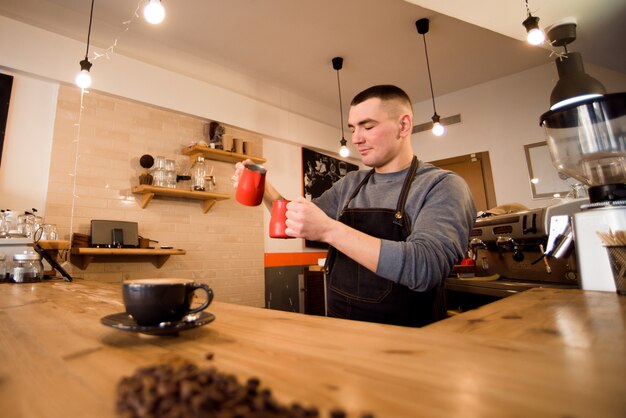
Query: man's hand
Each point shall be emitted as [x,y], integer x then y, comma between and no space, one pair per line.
[305,220]
[239,171]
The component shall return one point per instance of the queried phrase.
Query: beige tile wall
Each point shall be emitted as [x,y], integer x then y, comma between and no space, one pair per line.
[102,145]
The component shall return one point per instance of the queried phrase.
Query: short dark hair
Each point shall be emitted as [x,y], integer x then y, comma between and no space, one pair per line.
[383,92]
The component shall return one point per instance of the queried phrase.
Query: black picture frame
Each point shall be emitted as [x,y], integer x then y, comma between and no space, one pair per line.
[6,85]
[319,172]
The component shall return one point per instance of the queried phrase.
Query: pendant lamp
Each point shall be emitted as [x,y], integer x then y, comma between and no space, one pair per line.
[83,79]
[574,83]
[154,12]
[423,26]
[535,36]
[338,65]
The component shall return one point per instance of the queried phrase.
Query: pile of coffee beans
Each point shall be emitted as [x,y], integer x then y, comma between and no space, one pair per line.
[181,389]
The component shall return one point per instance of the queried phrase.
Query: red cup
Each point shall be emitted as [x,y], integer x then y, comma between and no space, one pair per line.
[467,262]
[251,185]
[277,221]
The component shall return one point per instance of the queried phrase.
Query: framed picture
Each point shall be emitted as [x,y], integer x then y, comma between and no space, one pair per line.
[320,171]
[545,180]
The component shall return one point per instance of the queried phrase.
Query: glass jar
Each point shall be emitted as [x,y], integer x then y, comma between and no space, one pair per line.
[198,172]
[159,177]
[26,225]
[49,232]
[159,162]
[170,173]
[27,268]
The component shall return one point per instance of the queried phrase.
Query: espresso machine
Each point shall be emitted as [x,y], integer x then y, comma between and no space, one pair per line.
[521,247]
[509,253]
[587,141]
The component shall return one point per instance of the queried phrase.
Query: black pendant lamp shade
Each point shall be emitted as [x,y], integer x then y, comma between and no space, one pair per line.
[574,83]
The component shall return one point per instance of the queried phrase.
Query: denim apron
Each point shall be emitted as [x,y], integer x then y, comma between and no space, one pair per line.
[354,292]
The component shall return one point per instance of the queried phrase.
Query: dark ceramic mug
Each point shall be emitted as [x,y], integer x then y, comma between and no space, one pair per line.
[153,301]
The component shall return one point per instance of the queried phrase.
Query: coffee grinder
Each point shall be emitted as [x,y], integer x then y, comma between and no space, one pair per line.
[587,141]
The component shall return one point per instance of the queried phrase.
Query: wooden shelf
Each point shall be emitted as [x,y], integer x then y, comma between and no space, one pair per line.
[218,154]
[148,192]
[54,244]
[87,254]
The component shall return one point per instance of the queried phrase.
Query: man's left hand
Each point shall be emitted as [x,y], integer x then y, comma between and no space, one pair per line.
[306,220]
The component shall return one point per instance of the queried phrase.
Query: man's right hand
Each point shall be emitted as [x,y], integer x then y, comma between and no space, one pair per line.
[239,171]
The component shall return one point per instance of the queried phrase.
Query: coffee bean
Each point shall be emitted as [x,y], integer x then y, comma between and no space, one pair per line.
[337,413]
[181,389]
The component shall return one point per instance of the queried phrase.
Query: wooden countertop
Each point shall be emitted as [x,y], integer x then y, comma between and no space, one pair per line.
[574,318]
[57,360]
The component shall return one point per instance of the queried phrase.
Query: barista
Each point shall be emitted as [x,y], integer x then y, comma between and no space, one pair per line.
[394,231]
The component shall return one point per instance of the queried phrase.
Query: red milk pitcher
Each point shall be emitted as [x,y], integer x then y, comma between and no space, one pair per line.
[251,185]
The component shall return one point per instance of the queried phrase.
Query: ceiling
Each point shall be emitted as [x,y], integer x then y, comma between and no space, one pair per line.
[289,44]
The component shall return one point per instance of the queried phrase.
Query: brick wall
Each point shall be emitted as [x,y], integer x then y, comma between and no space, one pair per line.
[102,144]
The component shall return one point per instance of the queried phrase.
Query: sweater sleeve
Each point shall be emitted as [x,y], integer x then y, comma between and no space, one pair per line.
[441,224]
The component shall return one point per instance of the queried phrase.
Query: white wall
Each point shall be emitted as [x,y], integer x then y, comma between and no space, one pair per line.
[500,116]
[27,143]
[42,55]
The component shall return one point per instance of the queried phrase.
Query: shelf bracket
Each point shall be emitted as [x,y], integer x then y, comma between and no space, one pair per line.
[82,261]
[208,204]
[145,199]
[160,260]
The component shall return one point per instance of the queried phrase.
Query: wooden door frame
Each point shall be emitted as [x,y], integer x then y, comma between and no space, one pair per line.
[483,157]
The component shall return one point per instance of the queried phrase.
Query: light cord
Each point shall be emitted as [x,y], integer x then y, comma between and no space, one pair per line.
[340,105]
[89,31]
[430,81]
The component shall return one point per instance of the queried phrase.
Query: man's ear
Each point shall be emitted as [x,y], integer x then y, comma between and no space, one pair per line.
[405,125]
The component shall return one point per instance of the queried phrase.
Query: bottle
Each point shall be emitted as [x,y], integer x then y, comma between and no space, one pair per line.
[198,172]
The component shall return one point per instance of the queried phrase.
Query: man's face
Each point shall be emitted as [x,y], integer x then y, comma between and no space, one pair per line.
[375,133]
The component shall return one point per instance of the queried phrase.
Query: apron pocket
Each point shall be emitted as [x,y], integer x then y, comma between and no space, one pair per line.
[352,280]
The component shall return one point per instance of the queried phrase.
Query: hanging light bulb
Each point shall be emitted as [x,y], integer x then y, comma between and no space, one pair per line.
[534,35]
[83,78]
[422,26]
[154,12]
[438,128]
[337,65]
[344,151]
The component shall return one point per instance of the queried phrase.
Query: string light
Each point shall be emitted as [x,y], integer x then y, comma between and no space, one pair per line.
[154,12]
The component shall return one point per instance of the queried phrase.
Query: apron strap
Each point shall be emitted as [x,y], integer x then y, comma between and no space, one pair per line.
[356,190]
[404,193]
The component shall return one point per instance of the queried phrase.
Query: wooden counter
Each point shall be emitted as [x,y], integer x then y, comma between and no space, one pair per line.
[57,360]
[588,320]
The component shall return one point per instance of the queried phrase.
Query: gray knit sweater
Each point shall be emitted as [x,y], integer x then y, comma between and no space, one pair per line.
[441,212]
